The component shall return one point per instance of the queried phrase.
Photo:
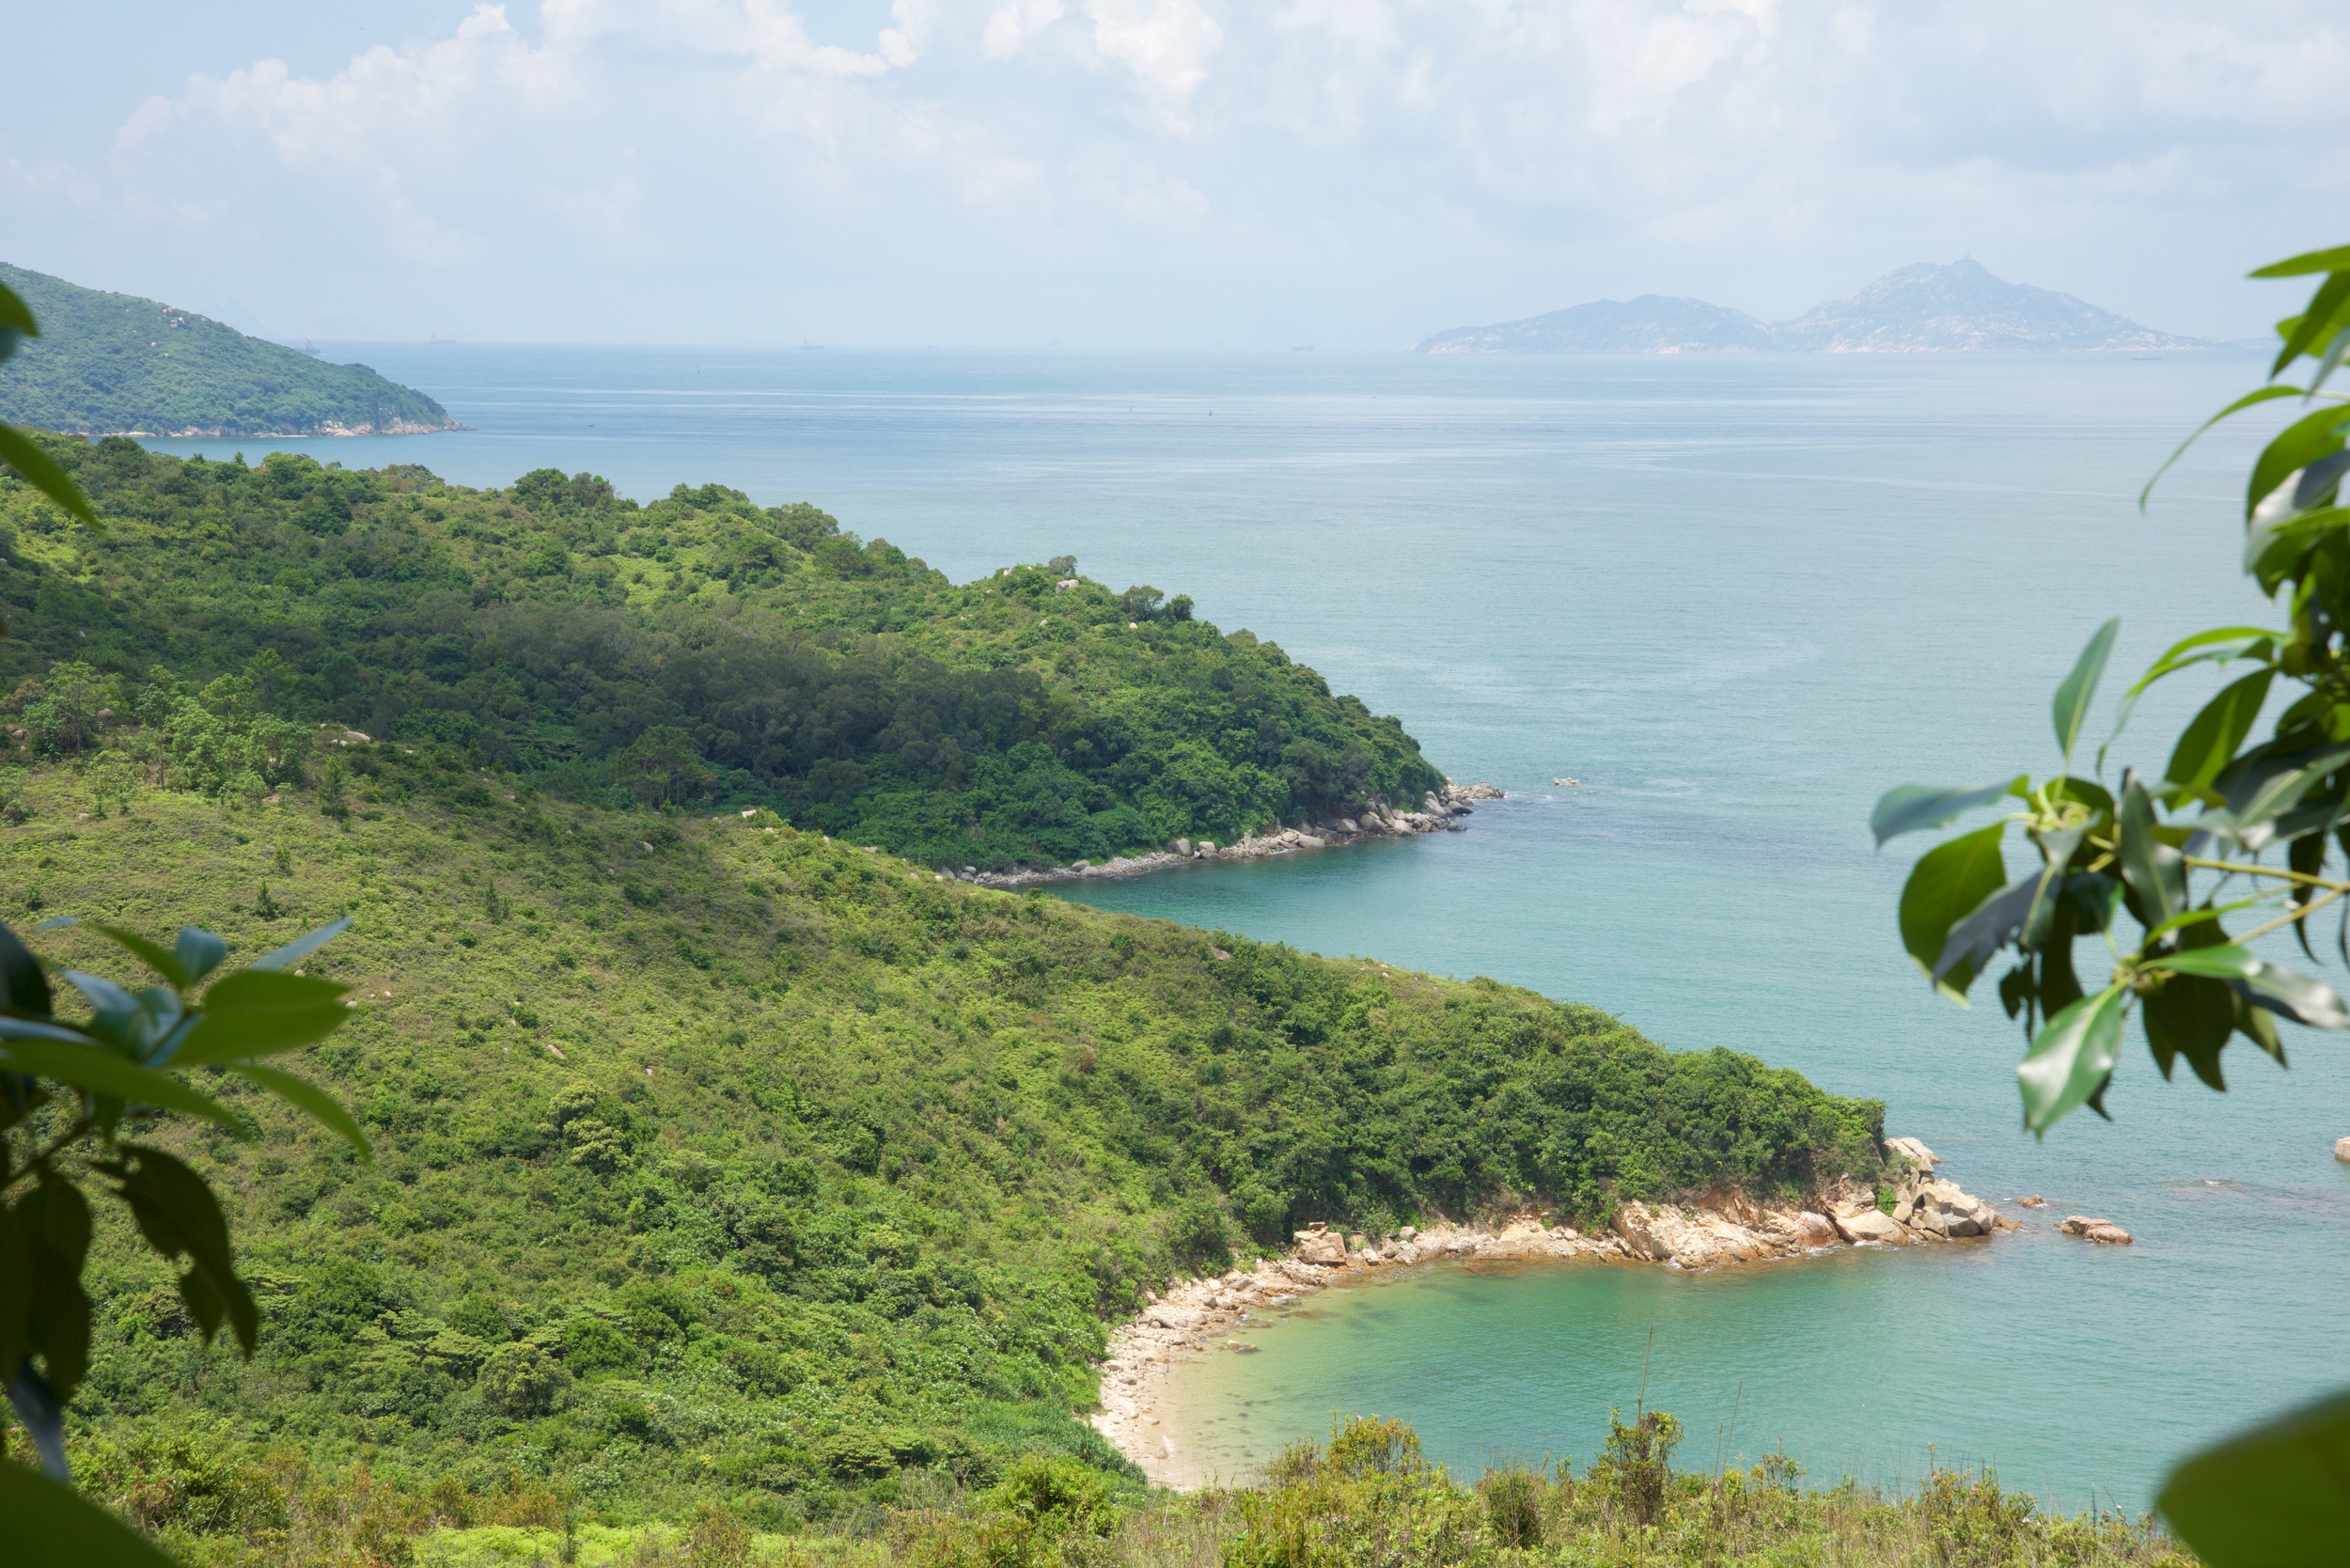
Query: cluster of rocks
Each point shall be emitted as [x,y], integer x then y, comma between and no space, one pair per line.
[1925,1208]
[1441,810]
[2103,1231]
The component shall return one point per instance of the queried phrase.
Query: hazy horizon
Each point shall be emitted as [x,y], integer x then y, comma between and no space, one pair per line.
[1143,174]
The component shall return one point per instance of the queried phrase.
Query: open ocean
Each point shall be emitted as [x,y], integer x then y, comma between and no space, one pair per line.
[1737,598]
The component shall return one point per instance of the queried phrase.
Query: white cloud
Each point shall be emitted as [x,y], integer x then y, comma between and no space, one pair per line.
[1415,162]
[1010,28]
[386,92]
[1166,44]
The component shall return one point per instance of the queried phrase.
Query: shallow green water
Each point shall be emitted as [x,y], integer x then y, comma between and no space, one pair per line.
[1737,599]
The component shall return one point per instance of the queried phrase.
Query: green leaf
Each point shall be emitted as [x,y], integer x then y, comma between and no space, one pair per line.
[259,1012]
[53,1220]
[1990,925]
[150,953]
[35,1028]
[2259,1025]
[2192,1016]
[1948,883]
[2296,446]
[2314,322]
[2220,644]
[2073,695]
[2266,394]
[1911,808]
[42,472]
[2060,987]
[2294,996]
[15,315]
[307,1096]
[2334,260]
[24,985]
[2225,960]
[180,1218]
[2071,1059]
[199,952]
[52,1526]
[2151,869]
[2261,984]
[97,1071]
[2263,785]
[301,948]
[2185,917]
[2276,1497]
[2209,743]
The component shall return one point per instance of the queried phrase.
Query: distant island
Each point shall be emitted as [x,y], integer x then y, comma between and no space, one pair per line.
[118,365]
[1922,309]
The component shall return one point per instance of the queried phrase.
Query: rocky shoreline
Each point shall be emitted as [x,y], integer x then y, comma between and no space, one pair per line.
[1197,1317]
[1441,811]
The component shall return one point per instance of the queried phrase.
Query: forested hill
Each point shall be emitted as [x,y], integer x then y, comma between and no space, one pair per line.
[715,1161]
[700,652]
[115,364]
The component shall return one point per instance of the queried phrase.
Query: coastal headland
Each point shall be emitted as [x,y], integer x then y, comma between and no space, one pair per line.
[1200,1316]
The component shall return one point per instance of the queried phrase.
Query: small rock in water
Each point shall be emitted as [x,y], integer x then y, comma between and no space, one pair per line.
[2103,1231]
[2035,1201]
[2341,1150]
[1244,1348]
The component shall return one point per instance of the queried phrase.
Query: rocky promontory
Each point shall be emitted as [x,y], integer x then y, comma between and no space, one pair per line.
[1441,811]
[1201,1316]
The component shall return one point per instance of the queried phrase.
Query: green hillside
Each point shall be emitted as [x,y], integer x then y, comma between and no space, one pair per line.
[719,1161]
[701,651]
[115,364]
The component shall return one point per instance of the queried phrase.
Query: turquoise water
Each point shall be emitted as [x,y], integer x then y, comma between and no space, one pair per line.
[1737,599]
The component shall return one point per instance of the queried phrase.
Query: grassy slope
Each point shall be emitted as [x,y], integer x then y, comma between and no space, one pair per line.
[550,625]
[841,1168]
[108,363]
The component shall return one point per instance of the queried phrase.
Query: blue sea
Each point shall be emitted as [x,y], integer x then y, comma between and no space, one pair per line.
[1736,598]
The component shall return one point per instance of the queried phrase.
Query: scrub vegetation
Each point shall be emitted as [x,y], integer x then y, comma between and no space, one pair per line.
[701,651]
[721,1164]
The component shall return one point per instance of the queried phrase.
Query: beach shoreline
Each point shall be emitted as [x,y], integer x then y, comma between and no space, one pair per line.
[1203,1316]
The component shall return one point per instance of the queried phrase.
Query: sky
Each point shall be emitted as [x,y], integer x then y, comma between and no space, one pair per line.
[1185,174]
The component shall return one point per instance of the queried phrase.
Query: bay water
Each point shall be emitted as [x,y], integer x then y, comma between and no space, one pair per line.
[1736,599]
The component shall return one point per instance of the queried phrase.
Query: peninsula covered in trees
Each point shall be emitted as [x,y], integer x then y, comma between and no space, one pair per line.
[700,652]
[110,364]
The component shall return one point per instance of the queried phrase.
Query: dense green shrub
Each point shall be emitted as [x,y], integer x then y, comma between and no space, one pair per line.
[851,1196]
[701,651]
